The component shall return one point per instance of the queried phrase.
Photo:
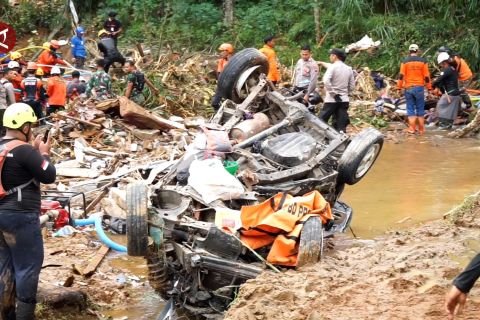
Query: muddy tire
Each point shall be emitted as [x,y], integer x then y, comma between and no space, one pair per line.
[137,225]
[240,62]
[310,249]
[359,156]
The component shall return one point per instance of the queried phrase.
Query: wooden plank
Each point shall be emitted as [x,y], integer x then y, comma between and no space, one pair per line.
[95,262]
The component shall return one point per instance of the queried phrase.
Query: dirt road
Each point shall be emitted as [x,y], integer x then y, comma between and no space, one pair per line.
[403,275]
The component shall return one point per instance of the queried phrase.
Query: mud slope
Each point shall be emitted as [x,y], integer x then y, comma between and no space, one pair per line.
[403,275]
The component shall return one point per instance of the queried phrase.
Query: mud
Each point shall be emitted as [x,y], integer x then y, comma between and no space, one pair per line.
[403,275]
[118,289]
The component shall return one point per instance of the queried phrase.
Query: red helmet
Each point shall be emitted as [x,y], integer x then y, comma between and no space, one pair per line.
[54,44]
[32,66]
[226,47]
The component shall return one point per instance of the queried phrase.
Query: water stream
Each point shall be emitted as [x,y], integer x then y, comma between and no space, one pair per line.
[414,181]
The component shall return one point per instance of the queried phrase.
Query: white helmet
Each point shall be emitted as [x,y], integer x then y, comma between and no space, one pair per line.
[13,64]
[442,56]
[55,70]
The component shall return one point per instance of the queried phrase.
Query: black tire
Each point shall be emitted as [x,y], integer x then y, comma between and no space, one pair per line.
[137,214]
[359,156]
[240,62]
[310,248]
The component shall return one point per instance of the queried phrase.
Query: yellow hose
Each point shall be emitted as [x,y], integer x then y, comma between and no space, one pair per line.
[23,49]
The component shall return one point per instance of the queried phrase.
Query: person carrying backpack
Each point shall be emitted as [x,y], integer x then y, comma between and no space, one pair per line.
[136,81]
[23,167]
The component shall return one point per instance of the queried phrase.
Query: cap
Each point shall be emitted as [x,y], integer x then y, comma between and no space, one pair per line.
[13,64]
[413,47]
[442,56]
[55,70]
[339,53]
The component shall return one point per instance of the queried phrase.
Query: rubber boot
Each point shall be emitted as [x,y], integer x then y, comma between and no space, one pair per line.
[421,125]
[411,125]
[25,311]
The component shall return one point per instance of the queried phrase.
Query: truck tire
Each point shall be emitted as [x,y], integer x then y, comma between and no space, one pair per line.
[240,62]
[359,156]
[310,249]
[137,225]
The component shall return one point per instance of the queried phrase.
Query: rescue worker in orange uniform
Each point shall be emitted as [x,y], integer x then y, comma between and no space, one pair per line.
[226,52]
[32,90]
[267,50]
[413,78]
[465,74]
[49,57]
[15,77]
[56,92]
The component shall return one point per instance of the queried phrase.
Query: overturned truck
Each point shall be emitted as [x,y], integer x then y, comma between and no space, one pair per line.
[262,144]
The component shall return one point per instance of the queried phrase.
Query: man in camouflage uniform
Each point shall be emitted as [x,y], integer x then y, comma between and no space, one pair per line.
[100,83]
[136,82]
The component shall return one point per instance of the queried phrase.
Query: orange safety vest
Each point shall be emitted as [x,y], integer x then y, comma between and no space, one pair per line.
[464,71]
[221,64]
[279,222]
[273,73]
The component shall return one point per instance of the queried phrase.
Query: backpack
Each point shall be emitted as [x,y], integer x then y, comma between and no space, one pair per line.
[5,149]
[139,81]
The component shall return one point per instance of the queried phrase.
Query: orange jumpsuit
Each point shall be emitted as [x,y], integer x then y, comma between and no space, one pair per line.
[56,91]
[273,73]
[49,58]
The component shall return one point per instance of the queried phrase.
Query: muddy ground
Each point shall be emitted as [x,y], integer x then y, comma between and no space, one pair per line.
[119,283]
[402,275]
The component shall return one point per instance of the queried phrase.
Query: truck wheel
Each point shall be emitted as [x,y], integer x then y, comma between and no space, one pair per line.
[242,62]
[310,249]
[359,156]
[137,225]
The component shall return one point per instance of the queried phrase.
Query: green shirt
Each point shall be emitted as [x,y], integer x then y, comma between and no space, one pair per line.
[101,82]
[138,80]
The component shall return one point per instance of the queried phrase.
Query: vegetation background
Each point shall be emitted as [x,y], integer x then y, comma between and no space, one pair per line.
[203,25]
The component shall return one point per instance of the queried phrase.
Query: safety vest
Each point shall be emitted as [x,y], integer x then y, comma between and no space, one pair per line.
[279,221]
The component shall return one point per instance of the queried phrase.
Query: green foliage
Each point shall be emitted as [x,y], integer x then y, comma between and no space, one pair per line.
[29,16]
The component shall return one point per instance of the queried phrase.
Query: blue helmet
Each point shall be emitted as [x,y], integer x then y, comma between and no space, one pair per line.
[80,30]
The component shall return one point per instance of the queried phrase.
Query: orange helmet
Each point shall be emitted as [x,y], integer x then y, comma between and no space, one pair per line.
[226,47]
[54,44]
[32,66]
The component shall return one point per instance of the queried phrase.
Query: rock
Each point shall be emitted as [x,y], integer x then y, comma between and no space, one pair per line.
[145,134]
[112,209]
[194,122]
[58,297]
[119,197]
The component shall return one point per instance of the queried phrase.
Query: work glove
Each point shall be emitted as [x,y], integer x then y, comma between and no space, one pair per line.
[337,98]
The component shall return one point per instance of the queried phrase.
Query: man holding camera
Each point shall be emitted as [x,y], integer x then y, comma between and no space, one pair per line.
[339,82]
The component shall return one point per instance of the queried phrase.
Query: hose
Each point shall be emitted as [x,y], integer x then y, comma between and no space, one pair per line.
[97,221]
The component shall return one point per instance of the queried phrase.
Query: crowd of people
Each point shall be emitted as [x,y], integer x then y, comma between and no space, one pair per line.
[25,98]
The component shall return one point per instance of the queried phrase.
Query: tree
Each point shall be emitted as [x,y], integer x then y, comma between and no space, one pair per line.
[228,12]
[316,17]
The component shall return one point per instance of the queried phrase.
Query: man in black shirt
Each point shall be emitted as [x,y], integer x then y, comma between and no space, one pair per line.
[462,285]
[113,26]
[447,83]
[25,166]
[110,52]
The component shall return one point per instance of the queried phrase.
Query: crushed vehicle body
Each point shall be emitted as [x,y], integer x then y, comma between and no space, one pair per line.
[261,147]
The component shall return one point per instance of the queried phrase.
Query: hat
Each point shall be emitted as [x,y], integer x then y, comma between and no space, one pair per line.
[13,64]
[55,70]
[339,53]
[413,47]
[443,56]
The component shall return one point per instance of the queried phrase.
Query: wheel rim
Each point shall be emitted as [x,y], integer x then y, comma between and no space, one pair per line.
[367,160]
[249,79]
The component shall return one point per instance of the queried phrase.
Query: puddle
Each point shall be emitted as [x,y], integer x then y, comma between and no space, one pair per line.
[414,181]
[144,304]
